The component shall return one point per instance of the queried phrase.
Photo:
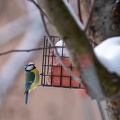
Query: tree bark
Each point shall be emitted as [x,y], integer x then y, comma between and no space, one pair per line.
[104,23]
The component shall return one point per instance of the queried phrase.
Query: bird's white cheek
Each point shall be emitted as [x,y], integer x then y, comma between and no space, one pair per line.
[29,68]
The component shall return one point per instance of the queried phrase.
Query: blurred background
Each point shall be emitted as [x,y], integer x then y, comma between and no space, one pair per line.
[21,28]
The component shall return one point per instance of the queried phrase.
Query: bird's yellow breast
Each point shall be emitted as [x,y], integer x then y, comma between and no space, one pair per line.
[36,81]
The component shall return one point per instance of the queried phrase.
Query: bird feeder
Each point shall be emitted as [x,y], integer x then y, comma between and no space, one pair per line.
[53,74]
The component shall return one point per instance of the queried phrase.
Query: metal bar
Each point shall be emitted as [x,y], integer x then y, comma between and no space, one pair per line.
[52,66]
[43,64]
[46,40]
[70,76]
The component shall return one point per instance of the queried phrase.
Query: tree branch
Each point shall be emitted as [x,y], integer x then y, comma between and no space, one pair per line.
[76,41]
[82,55]
[27,50]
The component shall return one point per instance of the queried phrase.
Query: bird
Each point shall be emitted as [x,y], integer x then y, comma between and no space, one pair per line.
[108,54]
[31,79]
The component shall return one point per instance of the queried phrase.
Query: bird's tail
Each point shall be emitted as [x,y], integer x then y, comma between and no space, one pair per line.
[26,99]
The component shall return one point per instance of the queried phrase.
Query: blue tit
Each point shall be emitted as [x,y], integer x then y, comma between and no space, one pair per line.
[31,79]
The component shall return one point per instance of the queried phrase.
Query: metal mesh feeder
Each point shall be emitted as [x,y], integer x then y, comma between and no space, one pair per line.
[53,74]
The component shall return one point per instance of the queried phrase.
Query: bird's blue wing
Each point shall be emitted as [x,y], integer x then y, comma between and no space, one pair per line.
[30,77]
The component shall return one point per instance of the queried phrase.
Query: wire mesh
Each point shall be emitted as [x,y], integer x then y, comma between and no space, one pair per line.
[53,74]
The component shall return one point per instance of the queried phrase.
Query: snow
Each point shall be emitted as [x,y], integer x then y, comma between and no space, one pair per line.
[108,54]
[62,51]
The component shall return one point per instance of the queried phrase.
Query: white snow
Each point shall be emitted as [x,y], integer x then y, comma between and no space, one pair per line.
[108,54]
[62,51]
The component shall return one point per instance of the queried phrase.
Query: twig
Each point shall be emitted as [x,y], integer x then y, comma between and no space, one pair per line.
[28,50]
[79,11]
[58,56]
[40,9]
[90,16]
